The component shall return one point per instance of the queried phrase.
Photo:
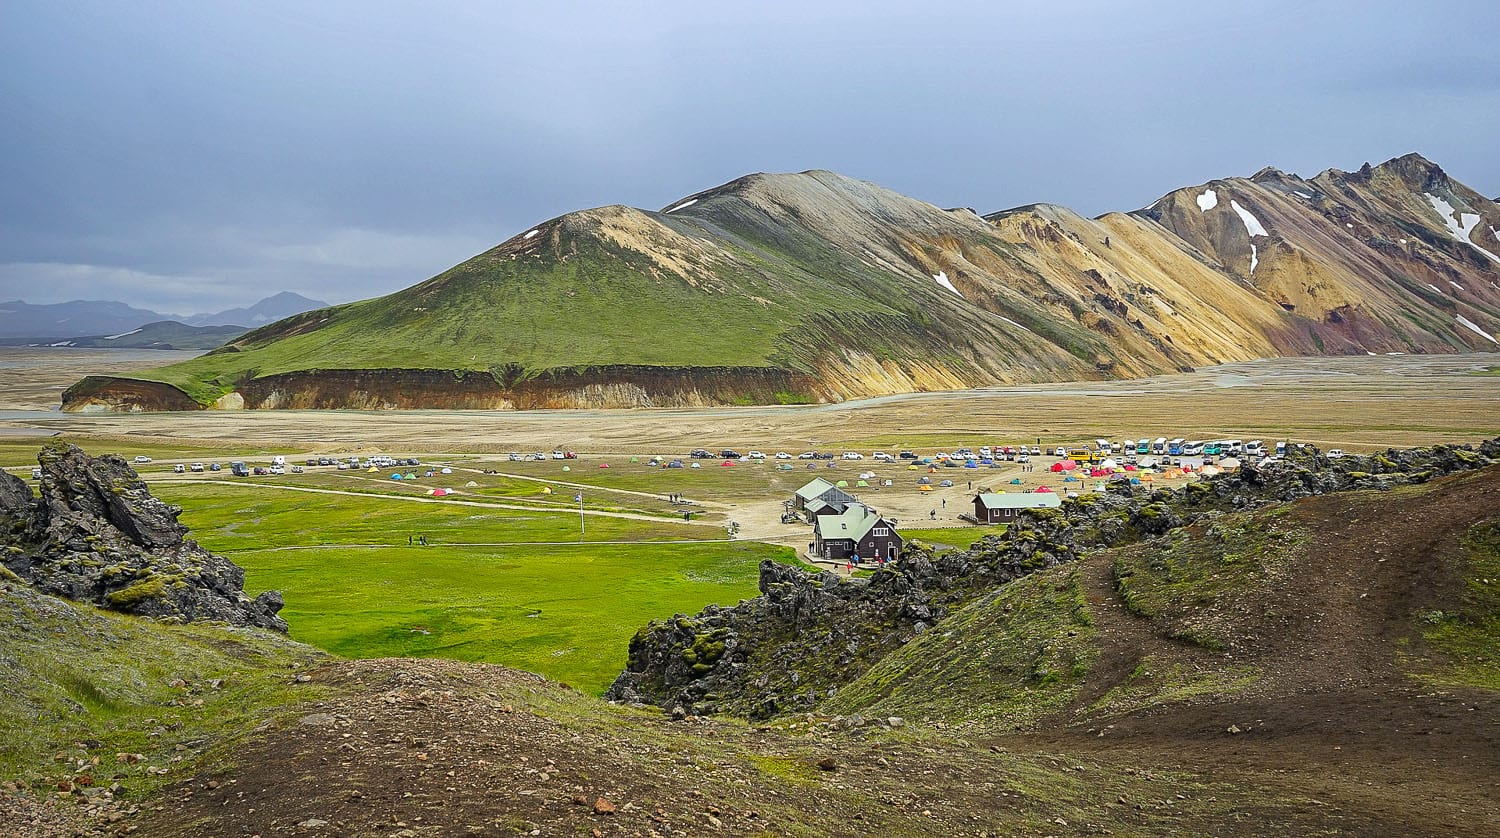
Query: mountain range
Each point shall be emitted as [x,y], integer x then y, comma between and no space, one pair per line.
[815,287]
[114,324]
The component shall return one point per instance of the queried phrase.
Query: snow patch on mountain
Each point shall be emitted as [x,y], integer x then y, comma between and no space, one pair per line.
[1474,327]
[1460,224]
[1252,224]
[689,202]
[942,279]
[1208,200]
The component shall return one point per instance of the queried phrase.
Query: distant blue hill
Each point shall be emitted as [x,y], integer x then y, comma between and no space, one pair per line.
[25,323]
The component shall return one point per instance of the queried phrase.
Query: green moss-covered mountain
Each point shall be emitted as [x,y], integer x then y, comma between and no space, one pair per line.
[817,287]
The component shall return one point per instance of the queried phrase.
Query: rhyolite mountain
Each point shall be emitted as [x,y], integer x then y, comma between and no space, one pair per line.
[815,287]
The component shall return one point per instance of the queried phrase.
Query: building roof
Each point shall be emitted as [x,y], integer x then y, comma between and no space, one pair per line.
[817,505]
[1019,500]
[855,523]
[820,488]
[814,488]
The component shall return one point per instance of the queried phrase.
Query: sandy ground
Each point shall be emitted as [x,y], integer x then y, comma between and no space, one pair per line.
[1369,402]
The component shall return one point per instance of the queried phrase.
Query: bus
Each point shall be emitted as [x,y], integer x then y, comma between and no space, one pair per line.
[1175,447]
[1233,446]
[1143,447]
[1159,446]
[1193,448]
[1081,454]
[1213,449]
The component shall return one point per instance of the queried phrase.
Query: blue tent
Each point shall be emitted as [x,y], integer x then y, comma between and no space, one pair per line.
[395,477]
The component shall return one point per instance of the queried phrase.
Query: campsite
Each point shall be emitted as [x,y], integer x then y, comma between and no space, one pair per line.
[478,557]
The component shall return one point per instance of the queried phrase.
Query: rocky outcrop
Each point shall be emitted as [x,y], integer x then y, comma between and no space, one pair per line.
[807,634]
[119,394]
[97,535]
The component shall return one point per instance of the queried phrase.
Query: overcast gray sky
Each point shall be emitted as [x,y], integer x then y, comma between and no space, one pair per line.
[187,156]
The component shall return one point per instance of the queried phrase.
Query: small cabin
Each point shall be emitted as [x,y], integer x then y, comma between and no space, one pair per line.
[859,532]
[1001,507]
[819,497]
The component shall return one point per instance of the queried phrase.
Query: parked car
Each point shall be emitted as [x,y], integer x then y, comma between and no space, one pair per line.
[260,471]
[782,455]
[179,468]
[558,455]
[881,456]
[196,467]
[215,467]
[1334,453]
[296,469]
[513,457]
[808,455]
[141,458]
[853,455]
[36,474]
[756,455]
[343,466]
[907,455]
[729,454]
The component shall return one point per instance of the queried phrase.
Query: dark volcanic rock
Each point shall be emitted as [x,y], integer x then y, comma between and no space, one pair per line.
[808,634]
[97,535]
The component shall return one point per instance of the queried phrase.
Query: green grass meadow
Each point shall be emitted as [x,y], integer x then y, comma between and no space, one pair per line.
[565,610]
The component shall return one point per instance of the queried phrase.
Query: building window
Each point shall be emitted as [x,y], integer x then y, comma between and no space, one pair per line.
[881,532]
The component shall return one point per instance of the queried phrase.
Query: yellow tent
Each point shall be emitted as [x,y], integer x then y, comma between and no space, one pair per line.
[372,468]
[924,488]
[546,490]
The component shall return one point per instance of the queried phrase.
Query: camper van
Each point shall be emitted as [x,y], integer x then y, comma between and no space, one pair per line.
[1175,447]
[1102,445]
[239,469]
[1234,447]
[279,461]
[1281,448]
[1254,448]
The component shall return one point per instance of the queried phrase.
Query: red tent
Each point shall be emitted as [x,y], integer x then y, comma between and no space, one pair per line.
[1044,489]
[1067,465]
[727,463]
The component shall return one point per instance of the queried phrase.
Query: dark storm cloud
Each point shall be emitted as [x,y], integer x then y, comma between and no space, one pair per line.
[187,156]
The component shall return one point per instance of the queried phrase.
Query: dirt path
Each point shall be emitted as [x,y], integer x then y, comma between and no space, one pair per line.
[1124,640]
[448,500]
